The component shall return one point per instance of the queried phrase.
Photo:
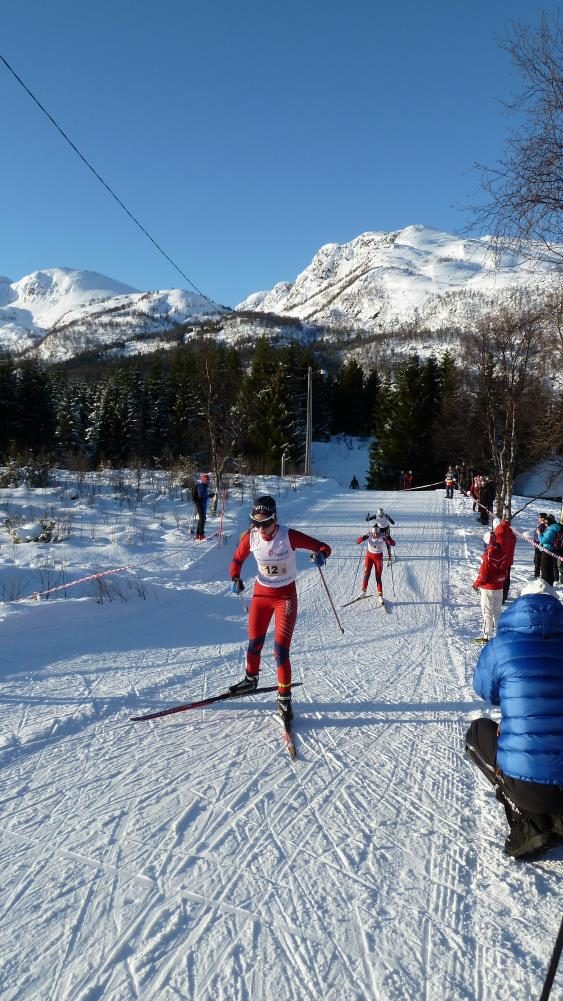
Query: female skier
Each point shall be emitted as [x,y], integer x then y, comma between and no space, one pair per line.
[273,547]
[384,521]
[374,557]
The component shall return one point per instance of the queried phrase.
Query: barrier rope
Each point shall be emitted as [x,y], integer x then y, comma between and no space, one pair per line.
[525,538]
[95,576]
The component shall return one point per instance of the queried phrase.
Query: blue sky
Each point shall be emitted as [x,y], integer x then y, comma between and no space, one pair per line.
[243,137]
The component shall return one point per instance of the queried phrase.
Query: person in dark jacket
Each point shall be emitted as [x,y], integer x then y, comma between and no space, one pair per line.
[521,670]
[203,496]
[354,485]
[538,535]
[486,499]
[549,565]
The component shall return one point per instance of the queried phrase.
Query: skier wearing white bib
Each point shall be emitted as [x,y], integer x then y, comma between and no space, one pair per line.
[384,521]
[273,547]
[374,557]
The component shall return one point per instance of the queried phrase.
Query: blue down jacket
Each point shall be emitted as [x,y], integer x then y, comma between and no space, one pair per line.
[521,670]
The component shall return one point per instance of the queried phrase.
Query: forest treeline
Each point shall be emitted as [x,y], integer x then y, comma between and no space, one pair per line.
[226,411]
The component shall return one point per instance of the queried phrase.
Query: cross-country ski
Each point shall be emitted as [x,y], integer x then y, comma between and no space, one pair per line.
[201,703]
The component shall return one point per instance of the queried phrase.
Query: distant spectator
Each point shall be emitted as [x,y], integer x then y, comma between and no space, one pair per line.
[408,480]
[538,536]
[402,480]
[201,501]
[475,490]
[486,499]
[354,485]
[449,481]
[521,670]
[549,565]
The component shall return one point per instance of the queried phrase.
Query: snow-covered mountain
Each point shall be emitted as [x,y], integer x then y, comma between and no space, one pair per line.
[62,311]
[414,276]
[410,281]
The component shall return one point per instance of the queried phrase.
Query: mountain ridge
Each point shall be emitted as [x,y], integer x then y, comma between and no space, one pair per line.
[412,279]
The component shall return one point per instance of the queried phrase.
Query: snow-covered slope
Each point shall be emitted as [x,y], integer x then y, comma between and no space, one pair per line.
[188,858]
[65,311]
[416,275]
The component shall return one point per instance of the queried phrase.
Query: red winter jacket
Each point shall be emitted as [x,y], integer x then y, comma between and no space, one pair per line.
[494,568]
[506,540]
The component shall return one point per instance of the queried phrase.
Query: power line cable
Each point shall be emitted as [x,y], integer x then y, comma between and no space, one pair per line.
[213,304]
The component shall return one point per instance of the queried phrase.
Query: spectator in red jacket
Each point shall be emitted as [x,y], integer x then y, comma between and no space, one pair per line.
[506,539]
[490,582]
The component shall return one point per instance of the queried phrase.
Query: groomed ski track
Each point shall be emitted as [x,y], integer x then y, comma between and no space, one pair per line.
[189,858]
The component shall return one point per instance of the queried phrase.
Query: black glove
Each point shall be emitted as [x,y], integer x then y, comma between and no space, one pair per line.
[237,586]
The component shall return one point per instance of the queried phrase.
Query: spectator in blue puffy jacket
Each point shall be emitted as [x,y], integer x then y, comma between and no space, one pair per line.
[549,565]
[521,670]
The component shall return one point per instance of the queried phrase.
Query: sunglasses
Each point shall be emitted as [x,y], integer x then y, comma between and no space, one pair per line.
[264,523]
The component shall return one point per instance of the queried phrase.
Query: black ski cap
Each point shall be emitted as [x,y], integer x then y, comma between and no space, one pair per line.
[264,505]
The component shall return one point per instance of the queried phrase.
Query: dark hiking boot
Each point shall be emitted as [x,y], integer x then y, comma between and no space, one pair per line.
[558,828]
[248,684]
[284,708]
[526,840]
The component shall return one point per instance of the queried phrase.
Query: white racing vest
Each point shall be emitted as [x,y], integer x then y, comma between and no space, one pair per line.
[275,558]
[375,545]
[384,525]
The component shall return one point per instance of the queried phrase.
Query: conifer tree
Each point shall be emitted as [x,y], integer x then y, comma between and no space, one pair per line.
[33,406]
[7,405]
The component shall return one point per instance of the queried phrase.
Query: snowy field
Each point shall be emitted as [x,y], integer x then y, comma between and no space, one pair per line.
[188,858]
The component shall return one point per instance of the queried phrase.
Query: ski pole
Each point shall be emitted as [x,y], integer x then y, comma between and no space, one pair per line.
[392,578]
[552,970]
[357,568]
[222,514]
[330,599]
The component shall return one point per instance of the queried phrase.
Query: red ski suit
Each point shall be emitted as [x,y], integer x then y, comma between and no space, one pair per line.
[280,602]
[375,559]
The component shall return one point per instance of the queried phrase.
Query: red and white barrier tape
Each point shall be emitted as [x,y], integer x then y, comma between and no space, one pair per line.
[94,576]
[409,490]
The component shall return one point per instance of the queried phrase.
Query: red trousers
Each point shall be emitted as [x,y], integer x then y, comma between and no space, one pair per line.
[280,602]
[374,560]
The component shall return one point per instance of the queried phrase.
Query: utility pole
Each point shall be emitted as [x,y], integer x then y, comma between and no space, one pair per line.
[309,425]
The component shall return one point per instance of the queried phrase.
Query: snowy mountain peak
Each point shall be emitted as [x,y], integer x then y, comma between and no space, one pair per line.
[415,275]
[42,306]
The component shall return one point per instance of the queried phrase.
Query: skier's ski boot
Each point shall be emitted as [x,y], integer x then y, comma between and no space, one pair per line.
[380,597]
[284,708]
[248,684]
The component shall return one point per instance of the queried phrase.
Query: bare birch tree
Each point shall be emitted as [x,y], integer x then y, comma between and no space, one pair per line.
[507,358]
[524,191]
